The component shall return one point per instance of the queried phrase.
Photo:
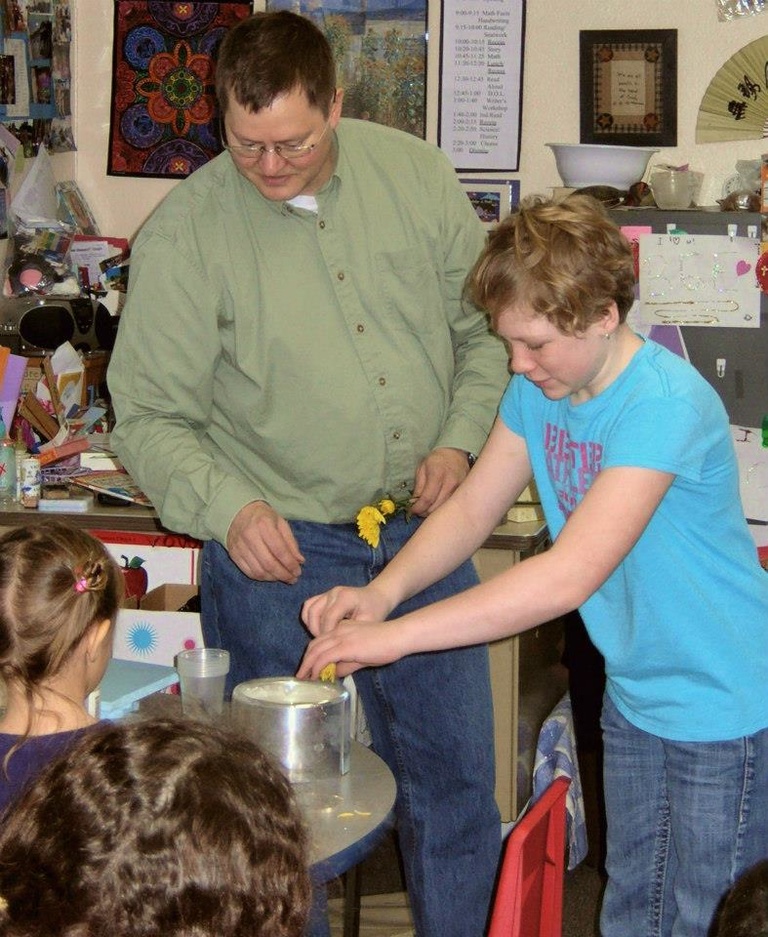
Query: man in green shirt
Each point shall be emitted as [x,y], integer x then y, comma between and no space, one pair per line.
[295,346]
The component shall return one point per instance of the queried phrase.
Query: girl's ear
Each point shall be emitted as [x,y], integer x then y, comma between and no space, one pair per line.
[611,319]
[98,633]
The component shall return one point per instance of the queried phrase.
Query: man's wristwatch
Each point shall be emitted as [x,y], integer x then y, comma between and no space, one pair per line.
[471,458]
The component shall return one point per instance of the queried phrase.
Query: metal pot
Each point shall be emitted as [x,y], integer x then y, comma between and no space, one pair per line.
[304,724]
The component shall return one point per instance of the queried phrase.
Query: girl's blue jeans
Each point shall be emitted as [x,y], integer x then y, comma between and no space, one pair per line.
[430,715]
[684,820]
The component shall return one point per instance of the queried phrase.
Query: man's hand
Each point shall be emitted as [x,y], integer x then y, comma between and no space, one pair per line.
[262,545]
[438,476]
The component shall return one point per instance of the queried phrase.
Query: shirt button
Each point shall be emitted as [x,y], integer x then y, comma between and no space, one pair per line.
[321,224]
[360,327]
[382,381]
[340,275]
[395,435]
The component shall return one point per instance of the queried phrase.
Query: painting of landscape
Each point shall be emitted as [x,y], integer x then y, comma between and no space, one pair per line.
[380,47]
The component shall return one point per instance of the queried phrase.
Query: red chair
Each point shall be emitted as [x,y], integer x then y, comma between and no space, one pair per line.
[529,895]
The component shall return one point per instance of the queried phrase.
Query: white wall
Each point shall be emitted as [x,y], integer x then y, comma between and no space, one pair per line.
[550,107]
[551,79]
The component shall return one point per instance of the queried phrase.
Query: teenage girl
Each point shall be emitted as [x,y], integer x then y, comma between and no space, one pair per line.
[59,594]
[632,455]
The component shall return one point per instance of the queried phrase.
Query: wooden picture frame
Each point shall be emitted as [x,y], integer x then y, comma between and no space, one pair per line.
[628,86]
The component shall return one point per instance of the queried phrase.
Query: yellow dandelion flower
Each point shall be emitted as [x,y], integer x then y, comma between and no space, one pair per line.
[387,506]
[369,520]
[328,673]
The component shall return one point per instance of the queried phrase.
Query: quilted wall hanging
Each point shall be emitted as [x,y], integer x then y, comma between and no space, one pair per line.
[164,121]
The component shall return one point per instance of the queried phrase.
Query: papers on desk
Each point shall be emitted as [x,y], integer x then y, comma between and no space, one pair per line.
[116,484]
[752,457]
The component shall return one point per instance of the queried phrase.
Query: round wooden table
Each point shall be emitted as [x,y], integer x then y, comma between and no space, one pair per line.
[349,814]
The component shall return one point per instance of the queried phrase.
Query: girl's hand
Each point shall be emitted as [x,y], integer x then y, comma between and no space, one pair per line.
[323,612]
[352,645]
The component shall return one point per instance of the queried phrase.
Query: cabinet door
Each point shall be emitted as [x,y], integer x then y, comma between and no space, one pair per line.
[527,680]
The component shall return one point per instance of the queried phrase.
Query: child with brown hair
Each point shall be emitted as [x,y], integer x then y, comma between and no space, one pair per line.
[156,828]
[745,909]
[632,455]
[59,594]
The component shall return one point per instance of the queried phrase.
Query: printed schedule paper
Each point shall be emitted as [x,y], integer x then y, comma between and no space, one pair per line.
[482,51]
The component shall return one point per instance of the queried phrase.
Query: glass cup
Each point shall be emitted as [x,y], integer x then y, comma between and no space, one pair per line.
[673,188]
[202,675]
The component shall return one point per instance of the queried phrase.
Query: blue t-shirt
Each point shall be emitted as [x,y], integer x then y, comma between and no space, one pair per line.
[30,758]
[683,621]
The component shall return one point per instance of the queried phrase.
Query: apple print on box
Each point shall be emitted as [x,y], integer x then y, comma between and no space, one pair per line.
[135,576]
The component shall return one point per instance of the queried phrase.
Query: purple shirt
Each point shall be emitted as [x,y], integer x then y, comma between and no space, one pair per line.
[30,758]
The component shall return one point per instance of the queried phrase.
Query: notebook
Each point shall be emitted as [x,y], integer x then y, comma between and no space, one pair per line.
[128,681]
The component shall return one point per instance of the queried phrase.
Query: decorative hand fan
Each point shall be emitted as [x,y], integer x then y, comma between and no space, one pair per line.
[735,105]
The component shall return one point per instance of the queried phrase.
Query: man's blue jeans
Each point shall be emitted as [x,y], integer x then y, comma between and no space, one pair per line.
[430,715]
[684,820]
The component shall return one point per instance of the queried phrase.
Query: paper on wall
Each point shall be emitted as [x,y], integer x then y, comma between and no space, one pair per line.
[753,471]
[699,279]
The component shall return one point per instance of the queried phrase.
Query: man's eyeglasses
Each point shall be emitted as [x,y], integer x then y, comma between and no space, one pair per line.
[283,150]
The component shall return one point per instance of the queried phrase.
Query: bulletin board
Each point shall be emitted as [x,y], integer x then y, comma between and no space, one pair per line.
[35,76]
[728,349]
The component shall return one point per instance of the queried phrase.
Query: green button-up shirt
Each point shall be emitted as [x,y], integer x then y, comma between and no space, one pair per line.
[307,359]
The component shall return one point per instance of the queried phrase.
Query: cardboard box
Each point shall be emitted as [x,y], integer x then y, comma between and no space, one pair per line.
[156,631]
[90,380]
[165,558]
[527,507]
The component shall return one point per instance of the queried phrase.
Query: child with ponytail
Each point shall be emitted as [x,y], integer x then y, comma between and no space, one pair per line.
[59,594]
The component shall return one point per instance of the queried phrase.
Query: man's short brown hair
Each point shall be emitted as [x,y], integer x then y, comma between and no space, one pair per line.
[270,54]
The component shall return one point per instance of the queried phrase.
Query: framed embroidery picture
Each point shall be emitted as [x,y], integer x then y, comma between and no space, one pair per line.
[628,86]
[164,120]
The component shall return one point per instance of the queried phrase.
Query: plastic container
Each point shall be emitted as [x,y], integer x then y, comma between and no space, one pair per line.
[31,483]
[7,467]
[202,676]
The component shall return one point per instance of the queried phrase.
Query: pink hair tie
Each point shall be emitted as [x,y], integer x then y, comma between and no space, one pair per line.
[81,585]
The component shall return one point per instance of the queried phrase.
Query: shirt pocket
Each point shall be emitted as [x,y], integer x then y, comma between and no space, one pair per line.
[409,285]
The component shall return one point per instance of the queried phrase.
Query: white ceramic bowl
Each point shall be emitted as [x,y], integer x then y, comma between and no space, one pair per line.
[586,164]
